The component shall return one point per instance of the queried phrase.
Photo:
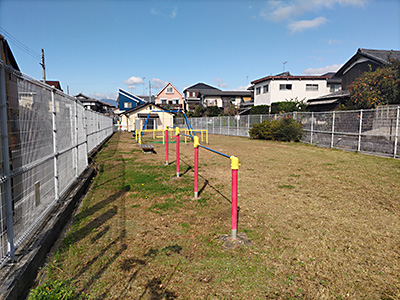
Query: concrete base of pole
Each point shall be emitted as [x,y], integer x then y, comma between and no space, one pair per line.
[196,195]
[234,234]
[177,174]
[166,163]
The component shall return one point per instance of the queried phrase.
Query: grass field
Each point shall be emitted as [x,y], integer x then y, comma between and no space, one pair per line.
[324,223]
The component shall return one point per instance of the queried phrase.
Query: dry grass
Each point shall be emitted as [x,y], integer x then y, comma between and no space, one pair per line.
[325,225]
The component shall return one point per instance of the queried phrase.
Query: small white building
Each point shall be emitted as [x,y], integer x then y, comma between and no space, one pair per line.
[156,116]
[285,87]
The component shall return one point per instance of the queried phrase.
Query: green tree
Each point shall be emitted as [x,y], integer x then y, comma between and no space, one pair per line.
[213,111]
[375,88]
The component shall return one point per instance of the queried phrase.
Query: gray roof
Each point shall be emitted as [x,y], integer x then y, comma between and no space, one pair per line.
[382,57]
[200,86]
[225,93]
[332,96]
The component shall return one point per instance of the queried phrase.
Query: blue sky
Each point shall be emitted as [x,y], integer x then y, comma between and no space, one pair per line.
[96,47]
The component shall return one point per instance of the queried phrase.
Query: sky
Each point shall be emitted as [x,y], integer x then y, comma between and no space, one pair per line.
[95,47]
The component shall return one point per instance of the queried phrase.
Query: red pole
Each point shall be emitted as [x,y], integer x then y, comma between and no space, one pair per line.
[196,167]
[235,169]
[166,145]
[177,151]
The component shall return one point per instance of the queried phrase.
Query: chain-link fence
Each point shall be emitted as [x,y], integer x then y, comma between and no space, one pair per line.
[46,136]
[374,131]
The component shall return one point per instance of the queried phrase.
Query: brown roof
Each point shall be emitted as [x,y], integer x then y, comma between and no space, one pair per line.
[288,76]
[54,83]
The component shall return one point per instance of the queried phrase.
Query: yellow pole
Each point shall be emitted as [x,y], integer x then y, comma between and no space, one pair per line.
[207,137]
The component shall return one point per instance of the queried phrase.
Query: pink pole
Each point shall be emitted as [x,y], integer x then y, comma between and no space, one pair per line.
[177,154]
[166,146]
[196,167]
[234,202]
[235,170]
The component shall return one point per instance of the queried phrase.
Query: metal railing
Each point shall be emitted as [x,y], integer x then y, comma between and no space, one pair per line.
[374,131]
[46,136]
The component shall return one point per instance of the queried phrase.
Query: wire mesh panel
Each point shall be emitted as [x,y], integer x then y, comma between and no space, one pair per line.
[48,147]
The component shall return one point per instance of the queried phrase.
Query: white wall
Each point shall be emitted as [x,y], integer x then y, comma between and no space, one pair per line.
[274,94]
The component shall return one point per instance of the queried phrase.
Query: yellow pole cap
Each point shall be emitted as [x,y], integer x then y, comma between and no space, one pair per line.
[177,131]
[234,163]
[166,127]
[196,143]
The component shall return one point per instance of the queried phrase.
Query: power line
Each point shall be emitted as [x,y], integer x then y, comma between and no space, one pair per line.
[19,44]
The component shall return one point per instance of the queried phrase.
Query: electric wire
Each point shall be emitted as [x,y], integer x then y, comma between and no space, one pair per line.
[19,44]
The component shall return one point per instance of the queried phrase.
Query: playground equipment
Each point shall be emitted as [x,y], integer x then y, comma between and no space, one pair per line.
[202,131]
[189,126]
[234,166]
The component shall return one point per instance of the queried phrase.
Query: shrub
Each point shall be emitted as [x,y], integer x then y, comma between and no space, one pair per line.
[287,129]
[55,289]
[259,110]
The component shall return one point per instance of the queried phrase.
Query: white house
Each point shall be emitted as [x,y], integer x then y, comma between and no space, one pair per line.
[285,87]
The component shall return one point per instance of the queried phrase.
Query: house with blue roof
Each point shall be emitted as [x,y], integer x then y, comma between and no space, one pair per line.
[128,100]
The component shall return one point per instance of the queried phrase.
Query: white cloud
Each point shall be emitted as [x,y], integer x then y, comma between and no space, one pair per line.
[288,10]
[323,70]
[158,83]
[155,12]
[242,88]
[104,96]
[133,81]
[334,42]
[165,12]
[300,26]
[174,13]
[220,83]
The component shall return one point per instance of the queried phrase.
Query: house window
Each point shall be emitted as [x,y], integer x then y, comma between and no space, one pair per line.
[127,104]
[285,87]
[170,90]
[311,87]
[258,91]
[265,88]
[164,101]
[334,88]
[175,101]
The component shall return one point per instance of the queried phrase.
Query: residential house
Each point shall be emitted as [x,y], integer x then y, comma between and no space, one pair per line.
[364,60]
[96,105]
[191,95]
[223,99]
[286,87]
[169,97]
[134,118]
[128,100]
[55,84]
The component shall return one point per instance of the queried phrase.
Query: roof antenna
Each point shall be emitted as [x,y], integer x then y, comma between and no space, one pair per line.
[284,63]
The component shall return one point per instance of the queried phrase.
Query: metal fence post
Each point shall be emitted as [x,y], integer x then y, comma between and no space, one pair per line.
[237,125]
[312,127]
[55,151]
[396,137]
[76,139]
[333,129]
[6,164]
[360,131]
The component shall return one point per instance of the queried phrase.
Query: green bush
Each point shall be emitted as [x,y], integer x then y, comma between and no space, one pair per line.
[287,130]
[55,289]
[259,110]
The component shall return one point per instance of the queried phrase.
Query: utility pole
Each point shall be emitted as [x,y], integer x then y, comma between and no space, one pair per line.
[284,63]
[43,67]
[149,92]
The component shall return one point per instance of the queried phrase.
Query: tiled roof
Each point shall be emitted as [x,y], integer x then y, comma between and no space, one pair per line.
[288,76]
